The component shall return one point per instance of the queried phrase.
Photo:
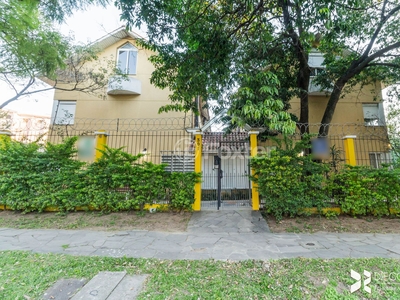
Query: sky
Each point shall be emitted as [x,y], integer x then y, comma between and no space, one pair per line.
[86,26]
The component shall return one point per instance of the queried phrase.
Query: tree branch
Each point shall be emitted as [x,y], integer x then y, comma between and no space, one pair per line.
[19,94]
[379,28]
[383,64]
[10,83]
[250,19]
[381,52]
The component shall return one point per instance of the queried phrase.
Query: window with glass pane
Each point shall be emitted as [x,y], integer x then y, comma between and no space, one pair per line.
[127,57]
[64,113]
[371,114]
[316,71]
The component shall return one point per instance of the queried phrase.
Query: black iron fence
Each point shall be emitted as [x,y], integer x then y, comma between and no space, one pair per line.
[152,137]
[166,136]
[372,144]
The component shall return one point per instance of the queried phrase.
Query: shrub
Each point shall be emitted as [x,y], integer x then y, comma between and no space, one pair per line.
[362,190]
[181,191]
[107,181]
[32,179]
[290,182]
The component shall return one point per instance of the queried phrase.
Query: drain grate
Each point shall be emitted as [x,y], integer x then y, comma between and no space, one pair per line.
[312,245]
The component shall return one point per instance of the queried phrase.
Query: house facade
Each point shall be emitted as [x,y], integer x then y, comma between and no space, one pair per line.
[131,98]
[359,114]
[127,109]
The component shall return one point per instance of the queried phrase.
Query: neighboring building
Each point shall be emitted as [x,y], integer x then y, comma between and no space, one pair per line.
[25,127]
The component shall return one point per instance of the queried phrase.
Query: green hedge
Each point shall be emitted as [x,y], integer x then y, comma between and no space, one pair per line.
[362,190]
[34,178]
[290,182]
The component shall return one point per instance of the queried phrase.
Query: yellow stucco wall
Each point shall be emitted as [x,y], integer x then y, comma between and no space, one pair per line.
[348,110]
[348,119]
[103,106]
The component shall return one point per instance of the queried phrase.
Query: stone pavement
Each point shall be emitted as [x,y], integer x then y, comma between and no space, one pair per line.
[226,235]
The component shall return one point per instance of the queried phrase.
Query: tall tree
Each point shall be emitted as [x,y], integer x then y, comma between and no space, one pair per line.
[31,48]
[206,47]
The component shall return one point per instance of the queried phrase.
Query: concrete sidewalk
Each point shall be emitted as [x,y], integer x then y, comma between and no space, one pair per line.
[200,245]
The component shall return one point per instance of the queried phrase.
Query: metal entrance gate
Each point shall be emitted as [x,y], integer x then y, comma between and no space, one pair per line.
[226,183]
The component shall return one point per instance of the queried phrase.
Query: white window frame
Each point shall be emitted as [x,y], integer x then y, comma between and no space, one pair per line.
[316,71]
[125,69]
[376,159]
[376,120]
[60,111]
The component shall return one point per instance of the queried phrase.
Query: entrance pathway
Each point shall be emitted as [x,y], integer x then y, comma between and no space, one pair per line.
[227,221]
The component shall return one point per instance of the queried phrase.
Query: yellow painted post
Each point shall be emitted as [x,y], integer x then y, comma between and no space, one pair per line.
[255,197]
[349,149]
[101,141]
[197,169]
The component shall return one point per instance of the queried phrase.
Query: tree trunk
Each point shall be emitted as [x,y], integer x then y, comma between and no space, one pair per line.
[303,75]
[330,109]
[303,82]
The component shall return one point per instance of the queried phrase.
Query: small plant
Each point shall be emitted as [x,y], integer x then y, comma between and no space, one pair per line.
[331,214]
[307,227]
[141,213]
[336,159]
[293,229]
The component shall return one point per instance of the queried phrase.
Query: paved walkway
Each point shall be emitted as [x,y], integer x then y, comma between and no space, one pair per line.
[226,235]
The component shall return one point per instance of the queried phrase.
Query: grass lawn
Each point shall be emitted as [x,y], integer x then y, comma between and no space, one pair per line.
[24,275]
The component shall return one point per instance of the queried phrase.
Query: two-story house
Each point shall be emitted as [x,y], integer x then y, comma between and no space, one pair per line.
[128,109]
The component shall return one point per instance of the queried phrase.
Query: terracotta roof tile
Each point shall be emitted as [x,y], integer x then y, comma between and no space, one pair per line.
[236,141]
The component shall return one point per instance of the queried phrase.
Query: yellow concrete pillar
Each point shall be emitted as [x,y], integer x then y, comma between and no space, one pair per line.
[349,150]
[198,147]
[255,197]
[101,141]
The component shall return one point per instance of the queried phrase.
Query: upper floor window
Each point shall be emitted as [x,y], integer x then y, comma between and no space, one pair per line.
[127,59]
[373,114]
[316,71]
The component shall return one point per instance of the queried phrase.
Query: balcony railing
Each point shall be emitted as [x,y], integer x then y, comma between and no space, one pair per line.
[124,86]
[317,90]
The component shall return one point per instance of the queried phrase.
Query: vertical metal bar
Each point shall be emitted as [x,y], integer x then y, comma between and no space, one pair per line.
[247,162]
